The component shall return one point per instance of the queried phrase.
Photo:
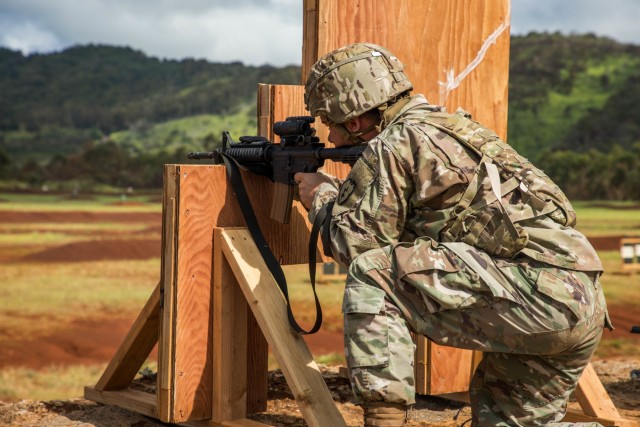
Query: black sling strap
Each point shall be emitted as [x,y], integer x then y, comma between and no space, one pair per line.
[233,173]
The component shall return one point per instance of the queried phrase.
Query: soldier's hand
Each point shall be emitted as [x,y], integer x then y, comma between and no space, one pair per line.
[308,185]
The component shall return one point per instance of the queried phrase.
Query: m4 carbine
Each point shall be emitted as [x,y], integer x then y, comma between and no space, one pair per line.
[299,150]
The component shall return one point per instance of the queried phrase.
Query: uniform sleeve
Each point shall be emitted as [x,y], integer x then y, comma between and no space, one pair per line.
[370,205]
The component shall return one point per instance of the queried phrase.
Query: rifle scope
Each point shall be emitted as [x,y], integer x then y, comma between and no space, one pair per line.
[293,126]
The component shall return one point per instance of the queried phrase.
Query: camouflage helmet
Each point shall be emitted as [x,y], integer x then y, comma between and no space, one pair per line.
[352,80]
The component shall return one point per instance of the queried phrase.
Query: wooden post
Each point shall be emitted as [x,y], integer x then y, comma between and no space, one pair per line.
[268,306]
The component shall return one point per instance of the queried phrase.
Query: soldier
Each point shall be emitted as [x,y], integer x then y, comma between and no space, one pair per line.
[450,234]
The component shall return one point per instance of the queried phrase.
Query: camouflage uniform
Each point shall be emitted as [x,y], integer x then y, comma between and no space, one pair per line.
[537,315]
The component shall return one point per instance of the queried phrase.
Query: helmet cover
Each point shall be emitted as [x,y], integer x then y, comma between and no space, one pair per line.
[352,80]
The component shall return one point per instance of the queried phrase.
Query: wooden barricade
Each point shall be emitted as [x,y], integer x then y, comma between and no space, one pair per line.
[216,306]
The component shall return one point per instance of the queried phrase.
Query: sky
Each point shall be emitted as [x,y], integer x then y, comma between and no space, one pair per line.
[255,32]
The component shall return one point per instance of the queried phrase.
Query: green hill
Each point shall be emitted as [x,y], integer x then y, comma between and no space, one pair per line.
[574,93]
[574,109]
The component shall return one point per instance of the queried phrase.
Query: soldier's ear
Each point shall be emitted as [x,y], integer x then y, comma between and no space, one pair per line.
[353,125]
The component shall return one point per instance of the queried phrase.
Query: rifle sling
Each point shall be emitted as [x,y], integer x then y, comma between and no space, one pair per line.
[233,173]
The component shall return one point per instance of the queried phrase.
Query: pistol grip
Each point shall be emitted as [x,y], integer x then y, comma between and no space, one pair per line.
[282,202]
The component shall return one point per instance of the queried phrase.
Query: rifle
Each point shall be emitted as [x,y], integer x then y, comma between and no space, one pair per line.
[300,150]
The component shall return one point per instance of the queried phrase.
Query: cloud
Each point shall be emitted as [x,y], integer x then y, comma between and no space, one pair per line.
[617,19]
[252,31]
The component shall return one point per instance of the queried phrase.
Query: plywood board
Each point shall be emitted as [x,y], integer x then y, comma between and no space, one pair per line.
[449,369]
[293,355]
[205,200]
[456,51]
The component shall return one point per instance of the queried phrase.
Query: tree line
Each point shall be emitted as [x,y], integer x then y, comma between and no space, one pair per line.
[574,110]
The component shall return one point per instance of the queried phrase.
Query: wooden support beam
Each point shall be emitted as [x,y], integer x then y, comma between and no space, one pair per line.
[132,400]
[293,355]
[166,344]
[445,373]
[229,341]
[233,423]
[135,348]
[592,396]
[577,416]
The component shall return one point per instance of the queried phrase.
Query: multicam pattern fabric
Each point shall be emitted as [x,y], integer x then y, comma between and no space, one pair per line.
[409,183]
[538,315]
[333,89]
[537,324]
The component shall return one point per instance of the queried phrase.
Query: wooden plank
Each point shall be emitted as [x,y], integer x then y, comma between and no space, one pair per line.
[210,202]
[421,364]
[135,348]
[204,201]
[233,423]
[166,365]
[293,355]
[446,372]
[229,341]
[257,366]
[132,400]
[592,396]
[309,37]
[456,52]
[576,416]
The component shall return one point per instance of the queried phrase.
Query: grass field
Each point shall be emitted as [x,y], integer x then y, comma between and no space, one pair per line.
[44,299]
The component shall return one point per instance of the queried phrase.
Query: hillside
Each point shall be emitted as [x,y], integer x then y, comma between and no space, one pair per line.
[573,100]
[572,92]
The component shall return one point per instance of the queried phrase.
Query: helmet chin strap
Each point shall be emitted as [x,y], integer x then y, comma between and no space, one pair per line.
[356,137]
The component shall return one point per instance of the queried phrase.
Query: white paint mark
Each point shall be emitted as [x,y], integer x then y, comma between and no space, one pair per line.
[453,81]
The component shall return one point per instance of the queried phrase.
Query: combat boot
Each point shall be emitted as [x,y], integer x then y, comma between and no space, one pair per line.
[384,414]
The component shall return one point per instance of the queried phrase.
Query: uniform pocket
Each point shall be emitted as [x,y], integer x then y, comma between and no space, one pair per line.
[567,289]
[366,331]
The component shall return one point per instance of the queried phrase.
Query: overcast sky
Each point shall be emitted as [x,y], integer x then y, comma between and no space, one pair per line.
[252,31]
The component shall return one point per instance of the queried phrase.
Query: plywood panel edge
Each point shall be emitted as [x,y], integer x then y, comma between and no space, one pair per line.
[166,340]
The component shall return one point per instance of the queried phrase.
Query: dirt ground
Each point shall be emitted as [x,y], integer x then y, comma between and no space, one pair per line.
[95,341]
[282,409]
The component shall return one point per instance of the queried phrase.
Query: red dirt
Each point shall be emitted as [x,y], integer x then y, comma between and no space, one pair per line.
[98,250]
[82,342]
[85,217]
[95,341]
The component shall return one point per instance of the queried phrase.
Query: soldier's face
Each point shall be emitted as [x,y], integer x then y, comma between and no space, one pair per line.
[338,134]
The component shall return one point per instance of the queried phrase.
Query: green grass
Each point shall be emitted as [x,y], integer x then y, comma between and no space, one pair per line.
[189,132]
[64,203]
[64,291]
[52,382]
[608,218]
[49,383]
[619,289]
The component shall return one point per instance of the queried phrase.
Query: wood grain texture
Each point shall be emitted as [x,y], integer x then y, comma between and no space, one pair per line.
[133,400]
[456,51]
[593,397]
[268,306]
[229,341]
[166,345]
[205,201]
[448,369]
